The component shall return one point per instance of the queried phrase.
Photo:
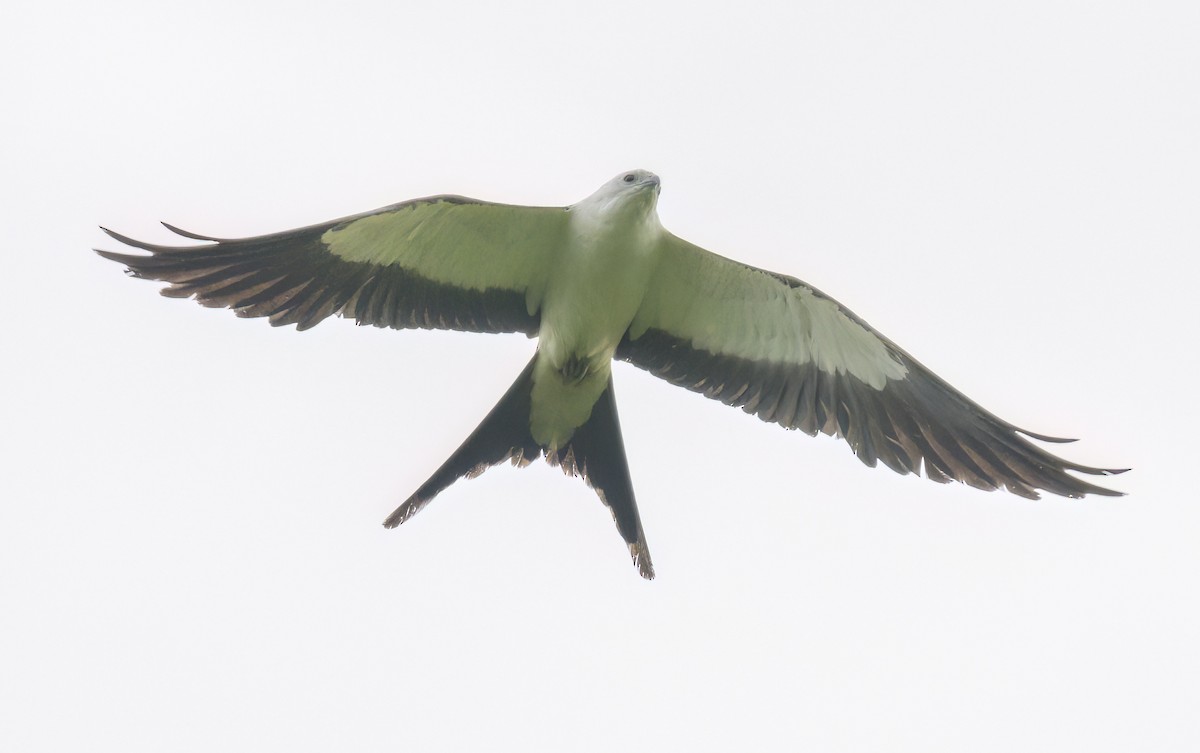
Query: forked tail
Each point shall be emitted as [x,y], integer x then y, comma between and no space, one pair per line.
[595,452]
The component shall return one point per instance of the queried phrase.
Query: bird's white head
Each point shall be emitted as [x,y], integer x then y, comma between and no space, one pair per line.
[630,190]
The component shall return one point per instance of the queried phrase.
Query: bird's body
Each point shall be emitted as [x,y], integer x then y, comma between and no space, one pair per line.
[608,255]
[602,280]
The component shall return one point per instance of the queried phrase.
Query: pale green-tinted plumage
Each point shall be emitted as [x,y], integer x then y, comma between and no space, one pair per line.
[460,242]
[602,280]
[725,307]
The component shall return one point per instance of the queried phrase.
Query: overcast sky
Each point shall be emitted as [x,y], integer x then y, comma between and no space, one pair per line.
[191,555]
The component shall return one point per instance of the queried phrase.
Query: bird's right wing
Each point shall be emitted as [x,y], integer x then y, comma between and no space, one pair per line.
[784,351]
[443,262]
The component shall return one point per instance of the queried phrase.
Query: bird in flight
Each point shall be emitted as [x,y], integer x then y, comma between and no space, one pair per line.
[600,280]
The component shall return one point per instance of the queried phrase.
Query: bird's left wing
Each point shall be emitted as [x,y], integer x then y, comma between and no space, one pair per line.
[780,349]
[443,262]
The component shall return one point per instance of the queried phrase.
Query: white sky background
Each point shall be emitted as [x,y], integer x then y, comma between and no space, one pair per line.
[191,555]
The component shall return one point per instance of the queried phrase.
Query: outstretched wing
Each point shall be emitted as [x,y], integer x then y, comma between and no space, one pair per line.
[443,262]
[787,353]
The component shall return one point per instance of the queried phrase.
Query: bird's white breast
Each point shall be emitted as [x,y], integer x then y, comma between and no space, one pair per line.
[598,282]
[594,290]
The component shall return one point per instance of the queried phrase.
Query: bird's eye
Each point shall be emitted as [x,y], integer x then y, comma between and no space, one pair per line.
[629,178]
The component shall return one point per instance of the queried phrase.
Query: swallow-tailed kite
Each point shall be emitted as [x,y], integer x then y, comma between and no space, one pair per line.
[598,280]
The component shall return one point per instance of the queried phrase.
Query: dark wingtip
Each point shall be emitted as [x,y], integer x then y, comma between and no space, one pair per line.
[1094,471]
[1101,491]
[1047,437]
[130,241]
[130,261]
[188,233]
[154,248]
